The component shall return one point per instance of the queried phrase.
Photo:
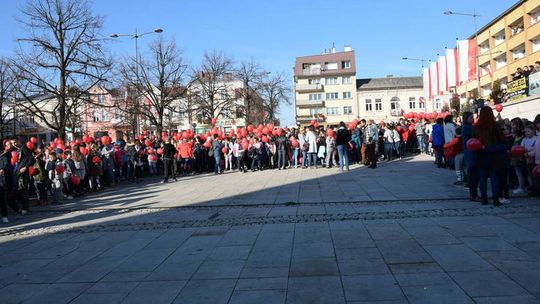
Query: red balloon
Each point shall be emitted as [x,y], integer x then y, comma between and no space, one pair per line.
[151,151]
[265,130]
[279,132]
[160,151]
[330,132]
[316,125]
[33,140]
[153,158]
[148,143]
[518,151]
[32,171]
[225,150]
[499,108]
[245,145]
[60,169]
[294,143]
[536,172]
[270,126]
[96,159]
[214,120]
[250,128]
[30,145]
[14,158]
[474,145]
[75,180]
[78,142]
[207,144]
[106,140]
[244,132]
[84,150]
[87,139]
[312,122]
[265,139]
[411,128]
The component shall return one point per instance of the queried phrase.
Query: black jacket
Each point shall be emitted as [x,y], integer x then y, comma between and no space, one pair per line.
[26,159]
[168,151]
[7,179]
[343,137]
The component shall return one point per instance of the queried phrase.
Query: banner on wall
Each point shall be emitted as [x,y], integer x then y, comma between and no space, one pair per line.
[534,84]
[516,89]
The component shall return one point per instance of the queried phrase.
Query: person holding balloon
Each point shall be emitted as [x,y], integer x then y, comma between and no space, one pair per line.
[26,160]
[55,171]
[7,180]
[40,177]
[490,156]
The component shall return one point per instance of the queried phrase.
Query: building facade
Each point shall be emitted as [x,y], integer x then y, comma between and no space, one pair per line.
[325,87]
[508,42]
[388,98]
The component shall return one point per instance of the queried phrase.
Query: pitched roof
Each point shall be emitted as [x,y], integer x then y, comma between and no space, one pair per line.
[389,83]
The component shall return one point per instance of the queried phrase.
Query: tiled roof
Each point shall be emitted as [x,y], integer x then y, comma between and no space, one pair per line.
[389,83]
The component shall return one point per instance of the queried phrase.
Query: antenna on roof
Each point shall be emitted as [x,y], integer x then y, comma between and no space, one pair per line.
[333,47]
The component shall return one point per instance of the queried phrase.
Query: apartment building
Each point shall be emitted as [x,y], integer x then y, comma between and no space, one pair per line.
[388,98]
[325,87]
[509,41]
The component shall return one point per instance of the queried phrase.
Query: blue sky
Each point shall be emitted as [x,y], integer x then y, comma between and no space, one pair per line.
[274,32]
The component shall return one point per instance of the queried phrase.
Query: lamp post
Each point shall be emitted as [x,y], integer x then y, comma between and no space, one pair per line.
[422,60]
[474,15]
[136,37]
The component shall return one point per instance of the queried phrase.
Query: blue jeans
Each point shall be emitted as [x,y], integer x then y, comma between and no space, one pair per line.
[388,150]
[485,173]
[312,159]
[421,144]
[343,157]
[217,165]
[304,159]
[294,161]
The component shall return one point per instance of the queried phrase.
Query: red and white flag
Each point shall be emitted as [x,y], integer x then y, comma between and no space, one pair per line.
[472,59]
[487,69]
[451,67]
[433,74]
[463,61]
[425,80]
[442,74]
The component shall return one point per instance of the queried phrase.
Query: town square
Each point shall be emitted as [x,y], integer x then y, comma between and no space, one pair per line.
[270,152]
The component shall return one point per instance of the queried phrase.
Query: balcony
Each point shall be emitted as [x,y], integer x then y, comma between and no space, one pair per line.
[305,88]
[312,71]
[309,103]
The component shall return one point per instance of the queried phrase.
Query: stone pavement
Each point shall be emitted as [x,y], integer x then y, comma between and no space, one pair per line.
[399,234]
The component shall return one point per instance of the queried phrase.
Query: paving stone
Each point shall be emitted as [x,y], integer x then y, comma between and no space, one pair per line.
[262,284]
[308,250]
[403,251]
[258,296]
[423,279]
[487,283]
[316,290]
[449,293]
[457,258]
[264,272]
[487,243]
[206,291]
[91,298]
[155,292]
[507,299]
[59,293]
[304,267]
[227,269]
[379,287]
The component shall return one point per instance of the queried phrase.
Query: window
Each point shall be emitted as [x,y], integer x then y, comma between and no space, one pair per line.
[536,44]
[105,115]
[347,110]
[346,64]
[315,97]
[378,104]
[499,38]
[315,111]
[516,27]
[330,65]
[412,103]
[535,16]
[484,47]
[486,89]
[500,61]
[314,80]
[331,80]
[438,104]
[421,104]
[332,111]
[369,106]
[394,103]
[518,52]
[346,80]
[347,95]
[332,96]
[101,99]
[97,115]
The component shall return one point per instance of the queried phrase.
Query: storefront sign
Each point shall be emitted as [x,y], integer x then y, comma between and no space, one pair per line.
[516,89]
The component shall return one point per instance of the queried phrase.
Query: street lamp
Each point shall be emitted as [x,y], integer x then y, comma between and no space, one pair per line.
[422,60]
[136,36]
[474,16]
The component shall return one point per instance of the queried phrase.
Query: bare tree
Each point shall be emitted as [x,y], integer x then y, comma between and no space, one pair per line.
[61,58]
[8,83]
[251,75]
[275,91]
[159,82]
[212,88]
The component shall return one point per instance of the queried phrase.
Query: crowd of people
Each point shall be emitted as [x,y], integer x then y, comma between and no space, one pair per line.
[59,171]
